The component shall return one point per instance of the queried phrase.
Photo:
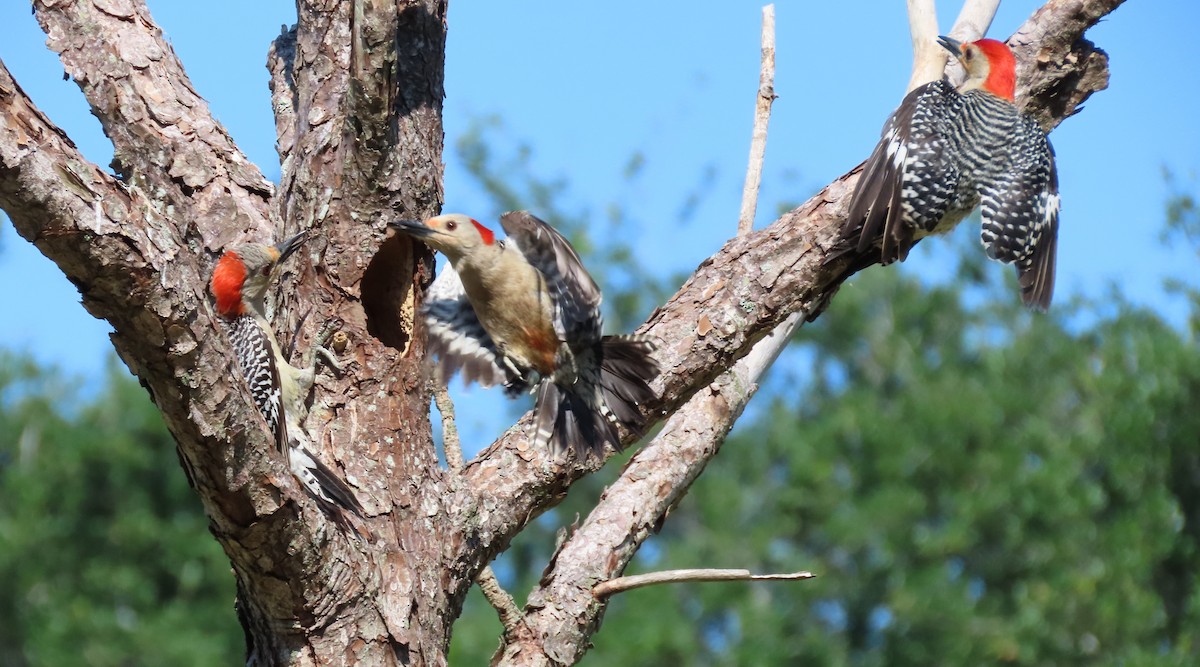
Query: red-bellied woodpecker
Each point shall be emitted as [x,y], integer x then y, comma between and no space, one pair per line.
[946,151]
[239,283]
[523,312]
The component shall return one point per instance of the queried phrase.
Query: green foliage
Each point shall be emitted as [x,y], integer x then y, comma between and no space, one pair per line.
[104,554]
[1183,228]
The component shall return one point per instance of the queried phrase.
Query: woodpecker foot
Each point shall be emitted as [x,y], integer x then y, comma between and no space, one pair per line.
[318,348]
[566,371]
[507,364]
[515,387]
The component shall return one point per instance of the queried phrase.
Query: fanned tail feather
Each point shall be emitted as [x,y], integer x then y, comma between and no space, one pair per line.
[1037,279]
[565,420]
[584,417]
[626,371]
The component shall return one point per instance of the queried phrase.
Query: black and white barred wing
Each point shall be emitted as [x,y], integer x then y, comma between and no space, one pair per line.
[256,360]
[456,337]
[909,180]
[1020,214]
[576,296]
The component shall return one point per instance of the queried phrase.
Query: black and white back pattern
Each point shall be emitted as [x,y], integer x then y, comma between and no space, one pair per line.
[941,154]
[256,359]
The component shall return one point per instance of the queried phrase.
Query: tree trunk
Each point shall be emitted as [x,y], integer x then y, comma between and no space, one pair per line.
[357,92]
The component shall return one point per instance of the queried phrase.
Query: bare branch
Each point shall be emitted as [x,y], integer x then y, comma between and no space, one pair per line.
[450,443]
[622,584]
[506,608]
[974,20]
[929,59]
[762,119]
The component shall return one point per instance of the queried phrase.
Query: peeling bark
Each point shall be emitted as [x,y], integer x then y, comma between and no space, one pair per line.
[357,91]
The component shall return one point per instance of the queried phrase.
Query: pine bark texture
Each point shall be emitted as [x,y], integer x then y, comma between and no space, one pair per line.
[357,93]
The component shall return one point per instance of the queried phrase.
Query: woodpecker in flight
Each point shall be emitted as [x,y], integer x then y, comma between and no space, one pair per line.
[523,312]
[239,284]
[944,152]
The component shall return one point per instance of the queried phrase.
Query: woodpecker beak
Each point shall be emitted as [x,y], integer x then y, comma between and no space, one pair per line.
[413,228]
[952,45]
[290,245]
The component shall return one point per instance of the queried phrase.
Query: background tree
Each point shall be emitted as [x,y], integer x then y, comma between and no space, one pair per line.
[359,140]
[103,547]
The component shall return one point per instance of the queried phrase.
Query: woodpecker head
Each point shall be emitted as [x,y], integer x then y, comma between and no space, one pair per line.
[244,273]
[990,65]
[453,234]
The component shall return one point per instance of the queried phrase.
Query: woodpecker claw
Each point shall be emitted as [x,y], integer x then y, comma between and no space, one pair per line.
[330,359]
[318,349]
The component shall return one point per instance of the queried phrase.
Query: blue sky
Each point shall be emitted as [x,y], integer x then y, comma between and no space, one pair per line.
[587,85]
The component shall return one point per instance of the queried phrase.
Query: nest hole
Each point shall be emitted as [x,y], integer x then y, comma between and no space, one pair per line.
[388,297]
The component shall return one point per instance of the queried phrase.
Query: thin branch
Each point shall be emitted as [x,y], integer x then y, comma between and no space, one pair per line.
[500,599]
[762,118]
[929,59]
[764,354]
[450,443]
[622,584]
[974,19]
[506,608]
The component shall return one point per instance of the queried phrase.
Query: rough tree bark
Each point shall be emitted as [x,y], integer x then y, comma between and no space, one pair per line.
[357,90]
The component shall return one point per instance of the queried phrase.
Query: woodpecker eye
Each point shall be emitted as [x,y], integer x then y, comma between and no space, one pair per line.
[968,53]
[451,225]
[266,270]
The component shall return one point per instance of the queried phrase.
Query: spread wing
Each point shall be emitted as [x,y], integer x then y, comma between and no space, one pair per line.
[908,181]
[455,335]
[576,296]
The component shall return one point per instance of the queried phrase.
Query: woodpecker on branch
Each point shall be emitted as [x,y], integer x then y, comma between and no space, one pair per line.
[523,312]
[239,283]
[945,151]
